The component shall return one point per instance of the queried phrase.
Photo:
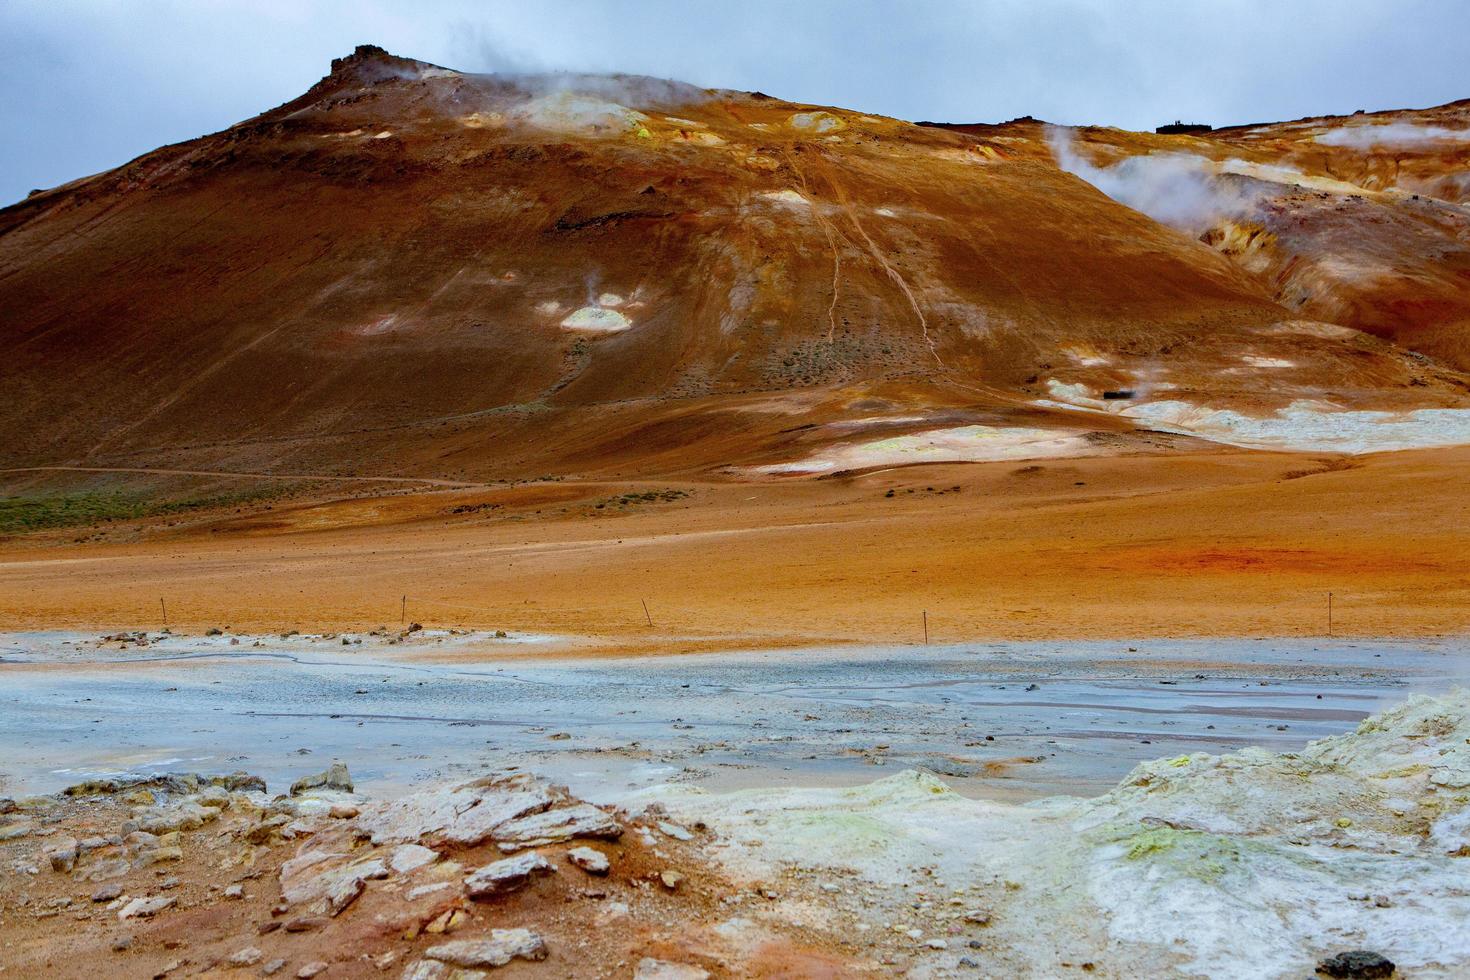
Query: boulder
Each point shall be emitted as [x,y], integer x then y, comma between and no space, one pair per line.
[508,875]
[62,853]
[334,777]
[465,815]
[329,881]
[502,946]
[1357,964]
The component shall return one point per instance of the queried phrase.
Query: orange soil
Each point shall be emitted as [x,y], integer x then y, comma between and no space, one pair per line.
[1219,543]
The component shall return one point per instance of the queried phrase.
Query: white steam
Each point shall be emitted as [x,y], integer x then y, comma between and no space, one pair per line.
[1390,134]
[1181,190]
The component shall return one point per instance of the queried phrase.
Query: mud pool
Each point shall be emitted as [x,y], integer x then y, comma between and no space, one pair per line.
[1012,721]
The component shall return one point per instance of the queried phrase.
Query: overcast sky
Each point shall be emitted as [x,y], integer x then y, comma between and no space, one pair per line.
[85,86]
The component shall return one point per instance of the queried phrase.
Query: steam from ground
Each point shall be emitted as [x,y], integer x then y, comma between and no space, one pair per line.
[1181,190]
[1390,134]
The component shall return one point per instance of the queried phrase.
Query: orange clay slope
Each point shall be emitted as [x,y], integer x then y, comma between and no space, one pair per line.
[1228,543]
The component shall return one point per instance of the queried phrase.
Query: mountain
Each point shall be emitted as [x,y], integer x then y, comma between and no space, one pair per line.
[415,271]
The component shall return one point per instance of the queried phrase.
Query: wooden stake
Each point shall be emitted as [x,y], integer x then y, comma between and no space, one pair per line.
[645,611]
[403,611]
[926,627]
[1329,614]
[165,610]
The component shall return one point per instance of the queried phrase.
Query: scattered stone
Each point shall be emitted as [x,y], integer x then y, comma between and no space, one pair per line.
[507,875]
[159,855]
[500,948]
[1357,964]
[249,956]
[652,969]
[122,943]
[343,811]
[62,853]
[146,908]
[980,917]
[311,969]
[589,859]
[334,777]
[234,891]
[262,832]
[107,892]
[446,921]
[105,869]
[343,894]
[273,967]
[306,923]
[671,879]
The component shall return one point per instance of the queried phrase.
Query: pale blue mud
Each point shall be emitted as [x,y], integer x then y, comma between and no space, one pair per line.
[999,720]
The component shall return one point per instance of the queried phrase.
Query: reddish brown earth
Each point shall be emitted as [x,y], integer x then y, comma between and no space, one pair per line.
[315,334]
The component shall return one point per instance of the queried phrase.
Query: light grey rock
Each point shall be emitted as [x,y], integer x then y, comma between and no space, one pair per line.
[589,859]
[107,892]
[273,967]
[311,969]
[674,830]
[508,875]
[466,814]
[502,946]
[334,777]
[106,869]
[343,893]
[551,826]
[17,829]
[330,881]
[249,956]
[62,853]
[652,969]
[409,857]
[162,819]
[146,908]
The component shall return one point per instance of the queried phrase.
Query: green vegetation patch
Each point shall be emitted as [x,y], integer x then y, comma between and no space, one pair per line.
[25,514]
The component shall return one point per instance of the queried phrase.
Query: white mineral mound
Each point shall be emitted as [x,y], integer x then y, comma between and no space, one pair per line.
[1251,864]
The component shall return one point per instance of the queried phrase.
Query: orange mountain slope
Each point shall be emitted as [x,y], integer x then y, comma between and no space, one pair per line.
[414,271]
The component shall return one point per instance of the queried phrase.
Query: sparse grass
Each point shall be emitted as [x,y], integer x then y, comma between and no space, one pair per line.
[27,514]
[634,499]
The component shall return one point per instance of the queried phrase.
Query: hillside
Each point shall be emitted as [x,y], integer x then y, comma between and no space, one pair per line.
[409,271]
